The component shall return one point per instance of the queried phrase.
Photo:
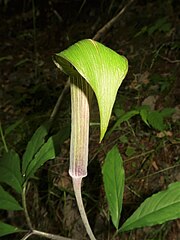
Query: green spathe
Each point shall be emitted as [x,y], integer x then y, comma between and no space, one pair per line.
[101,67]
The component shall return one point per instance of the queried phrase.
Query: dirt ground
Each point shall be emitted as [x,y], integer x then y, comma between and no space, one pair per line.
[30,33]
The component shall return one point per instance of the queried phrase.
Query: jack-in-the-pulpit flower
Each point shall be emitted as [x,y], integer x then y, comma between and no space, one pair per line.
[91,66]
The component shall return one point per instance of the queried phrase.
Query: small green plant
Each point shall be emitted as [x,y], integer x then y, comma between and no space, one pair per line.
[152,118]
[163,83]
[16,173]
[161,25]
[157,209]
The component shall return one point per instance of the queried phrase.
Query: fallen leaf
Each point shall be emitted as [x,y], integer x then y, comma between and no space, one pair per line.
[164,134]
[150,101]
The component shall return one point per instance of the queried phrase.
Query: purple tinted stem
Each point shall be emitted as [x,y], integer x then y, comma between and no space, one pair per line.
[80,105]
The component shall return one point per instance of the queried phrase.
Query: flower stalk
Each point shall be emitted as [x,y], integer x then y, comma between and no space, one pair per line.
[77,190]
[81,95]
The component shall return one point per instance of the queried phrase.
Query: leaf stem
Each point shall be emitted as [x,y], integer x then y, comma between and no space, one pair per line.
[3,138]
[33,231]
[25,206]
[115,234]
[77,190]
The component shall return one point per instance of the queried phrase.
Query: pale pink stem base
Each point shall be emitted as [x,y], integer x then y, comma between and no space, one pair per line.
[77,190]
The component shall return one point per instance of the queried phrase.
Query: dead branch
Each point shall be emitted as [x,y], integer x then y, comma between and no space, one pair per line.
[109,24]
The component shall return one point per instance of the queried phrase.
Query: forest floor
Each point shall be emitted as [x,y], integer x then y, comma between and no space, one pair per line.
[147,34]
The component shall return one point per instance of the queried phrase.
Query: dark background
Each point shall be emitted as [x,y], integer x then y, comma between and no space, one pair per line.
[30,33]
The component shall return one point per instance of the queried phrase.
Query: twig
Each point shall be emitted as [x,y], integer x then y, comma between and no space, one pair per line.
[50,236]
[58,103]
[160,171]
[139,155]
[169,60]
[27,235]
[60,19]
[108,25]
[35,40]
[46,235]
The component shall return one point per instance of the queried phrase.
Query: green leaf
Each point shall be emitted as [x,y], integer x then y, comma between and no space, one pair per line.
[46,152]
[159,26]
[142,31]
[13,126]
[113,177]
[6,229]
[8,202]
[157,209]
[167,112]
[130,151]
[10,170]
[155,119]
[166,27]
[59,138]
[144,114]
[33,146]
[124,118]
[117,110]
[123,139]
[101,67]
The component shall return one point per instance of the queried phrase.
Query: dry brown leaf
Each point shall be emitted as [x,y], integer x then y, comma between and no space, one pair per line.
[150,101]
[164,134]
